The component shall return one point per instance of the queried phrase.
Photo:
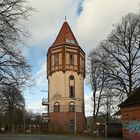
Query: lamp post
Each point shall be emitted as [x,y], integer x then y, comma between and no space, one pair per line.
[75,118]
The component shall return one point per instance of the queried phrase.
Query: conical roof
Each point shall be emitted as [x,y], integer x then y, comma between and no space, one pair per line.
[65,36]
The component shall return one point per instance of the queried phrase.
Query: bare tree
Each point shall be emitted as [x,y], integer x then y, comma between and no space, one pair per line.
[110,101]
[97,80]
[120,56]
[13,67]
[14,70]
[123,48]
[114,65]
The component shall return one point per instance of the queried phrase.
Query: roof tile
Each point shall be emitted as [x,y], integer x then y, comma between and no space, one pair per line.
[65,36]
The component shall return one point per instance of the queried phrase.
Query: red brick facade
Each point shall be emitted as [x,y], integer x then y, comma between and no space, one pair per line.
[130,111]
[60,122]
[131,122]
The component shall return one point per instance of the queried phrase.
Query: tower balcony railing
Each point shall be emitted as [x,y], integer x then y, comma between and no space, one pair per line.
[45,101]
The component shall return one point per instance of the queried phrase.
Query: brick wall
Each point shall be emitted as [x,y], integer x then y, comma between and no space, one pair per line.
[60,122]
[131,122]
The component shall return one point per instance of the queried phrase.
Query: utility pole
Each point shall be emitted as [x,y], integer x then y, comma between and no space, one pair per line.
[75,117]
[75,120]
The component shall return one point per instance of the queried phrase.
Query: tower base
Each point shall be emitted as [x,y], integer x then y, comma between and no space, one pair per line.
[64,122]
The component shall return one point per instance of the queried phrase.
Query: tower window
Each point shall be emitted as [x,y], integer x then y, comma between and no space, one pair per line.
[71,86]
[71,77]
[72,92]
[70,41]
[71,59]
[56,59]
[56,107]
[72,106]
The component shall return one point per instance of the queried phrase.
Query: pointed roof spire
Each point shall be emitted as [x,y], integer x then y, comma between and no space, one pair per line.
[65,36]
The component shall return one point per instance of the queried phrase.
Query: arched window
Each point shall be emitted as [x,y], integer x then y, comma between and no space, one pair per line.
[71,106]
[71,77]
[56,107]
[71,87]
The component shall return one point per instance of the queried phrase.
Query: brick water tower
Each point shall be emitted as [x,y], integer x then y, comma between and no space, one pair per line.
[66,73]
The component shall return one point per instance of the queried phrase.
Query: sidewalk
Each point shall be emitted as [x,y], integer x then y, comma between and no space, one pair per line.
[108,139]
[50,137]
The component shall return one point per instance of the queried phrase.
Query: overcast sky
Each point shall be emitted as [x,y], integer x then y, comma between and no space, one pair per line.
[90,20]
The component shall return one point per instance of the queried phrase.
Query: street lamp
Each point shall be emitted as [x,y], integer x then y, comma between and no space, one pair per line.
[75,115]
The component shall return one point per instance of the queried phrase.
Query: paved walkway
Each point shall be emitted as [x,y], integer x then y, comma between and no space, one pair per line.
[50,137]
